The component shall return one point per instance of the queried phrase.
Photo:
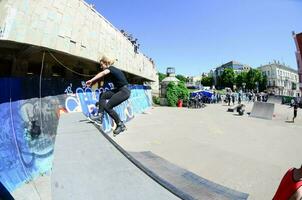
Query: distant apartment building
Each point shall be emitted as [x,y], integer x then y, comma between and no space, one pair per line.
[281,79]
[236,66]
[194,81]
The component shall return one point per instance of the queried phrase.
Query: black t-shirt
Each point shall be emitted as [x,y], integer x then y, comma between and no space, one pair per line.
[116,77]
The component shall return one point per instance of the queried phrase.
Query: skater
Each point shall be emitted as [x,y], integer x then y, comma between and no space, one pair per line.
[290,186]
[116,96]
[295,110]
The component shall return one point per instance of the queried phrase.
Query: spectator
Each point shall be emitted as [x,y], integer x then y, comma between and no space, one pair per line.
[233,98]
[239,98]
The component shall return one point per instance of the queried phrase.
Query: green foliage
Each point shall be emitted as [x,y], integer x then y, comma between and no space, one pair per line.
[156,100]
[263,83]
[228,78]
[241,78]
[207,81]
[254,76]
[183,92]
[176,92]
[161,76]
[221,92]
[182,78]
[172,94]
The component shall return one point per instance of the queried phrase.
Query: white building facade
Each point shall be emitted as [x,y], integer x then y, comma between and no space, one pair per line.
[281,79]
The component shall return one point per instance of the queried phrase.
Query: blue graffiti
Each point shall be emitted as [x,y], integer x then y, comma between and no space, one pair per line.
[85,100]
[26,139]
[28,125]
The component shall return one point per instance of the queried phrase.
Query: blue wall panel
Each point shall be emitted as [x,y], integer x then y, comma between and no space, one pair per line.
[28,123]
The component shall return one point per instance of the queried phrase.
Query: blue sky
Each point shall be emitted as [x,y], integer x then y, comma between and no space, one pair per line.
[195,36]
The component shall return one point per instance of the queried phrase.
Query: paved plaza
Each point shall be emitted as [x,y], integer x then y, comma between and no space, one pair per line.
[243,153]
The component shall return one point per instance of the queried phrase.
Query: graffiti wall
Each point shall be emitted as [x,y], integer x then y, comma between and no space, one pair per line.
[29,116]
[84,100]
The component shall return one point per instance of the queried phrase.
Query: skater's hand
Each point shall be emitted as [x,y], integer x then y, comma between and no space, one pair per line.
[88,83]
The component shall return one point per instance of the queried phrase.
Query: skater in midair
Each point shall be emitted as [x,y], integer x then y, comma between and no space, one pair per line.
[116,96]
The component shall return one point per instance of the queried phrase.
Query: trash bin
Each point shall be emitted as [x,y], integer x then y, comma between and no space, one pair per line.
[179,103]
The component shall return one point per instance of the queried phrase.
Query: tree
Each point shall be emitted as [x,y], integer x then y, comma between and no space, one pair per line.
[250,79]
[228,77]
[241,78]
[182,78]
[254,77]
[207,81]
[161,76]
[263,83]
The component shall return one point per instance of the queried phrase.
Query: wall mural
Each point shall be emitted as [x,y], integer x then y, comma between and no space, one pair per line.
[28,125]
[85,100]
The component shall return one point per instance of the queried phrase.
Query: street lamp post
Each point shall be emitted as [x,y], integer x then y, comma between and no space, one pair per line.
[244,93]
[243,85]
[257,86]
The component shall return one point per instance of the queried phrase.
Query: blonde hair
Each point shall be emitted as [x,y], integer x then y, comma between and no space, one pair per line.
[108,61]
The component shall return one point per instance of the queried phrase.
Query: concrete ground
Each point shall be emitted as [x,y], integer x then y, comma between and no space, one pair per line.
[38,189]
[243,153]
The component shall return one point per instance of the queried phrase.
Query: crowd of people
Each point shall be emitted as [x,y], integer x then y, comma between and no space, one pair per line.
[249,96]
[133,40]
[135,44]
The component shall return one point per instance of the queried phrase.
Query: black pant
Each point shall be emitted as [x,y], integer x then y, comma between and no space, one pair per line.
[115,98]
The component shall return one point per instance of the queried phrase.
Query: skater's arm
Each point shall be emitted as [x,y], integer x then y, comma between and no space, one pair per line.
[297,195]
[97,77]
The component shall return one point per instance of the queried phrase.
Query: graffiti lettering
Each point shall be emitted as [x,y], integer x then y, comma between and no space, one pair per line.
[86,99]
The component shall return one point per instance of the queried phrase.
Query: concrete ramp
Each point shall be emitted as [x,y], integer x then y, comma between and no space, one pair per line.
[87,166]
[275,99]
[186,181]
[263,110]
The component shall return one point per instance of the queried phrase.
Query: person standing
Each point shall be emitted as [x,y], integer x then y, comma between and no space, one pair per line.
[239,97]
[116,96]
[295,110]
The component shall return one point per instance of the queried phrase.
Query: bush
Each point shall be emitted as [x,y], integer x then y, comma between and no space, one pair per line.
[172,94]
[176,92]
[183,92]
[156,100]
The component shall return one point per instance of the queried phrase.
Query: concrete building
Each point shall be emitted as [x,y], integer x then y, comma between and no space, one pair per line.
[194,81]
[236,66]
[281,79]
[298,41]
[71,33]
